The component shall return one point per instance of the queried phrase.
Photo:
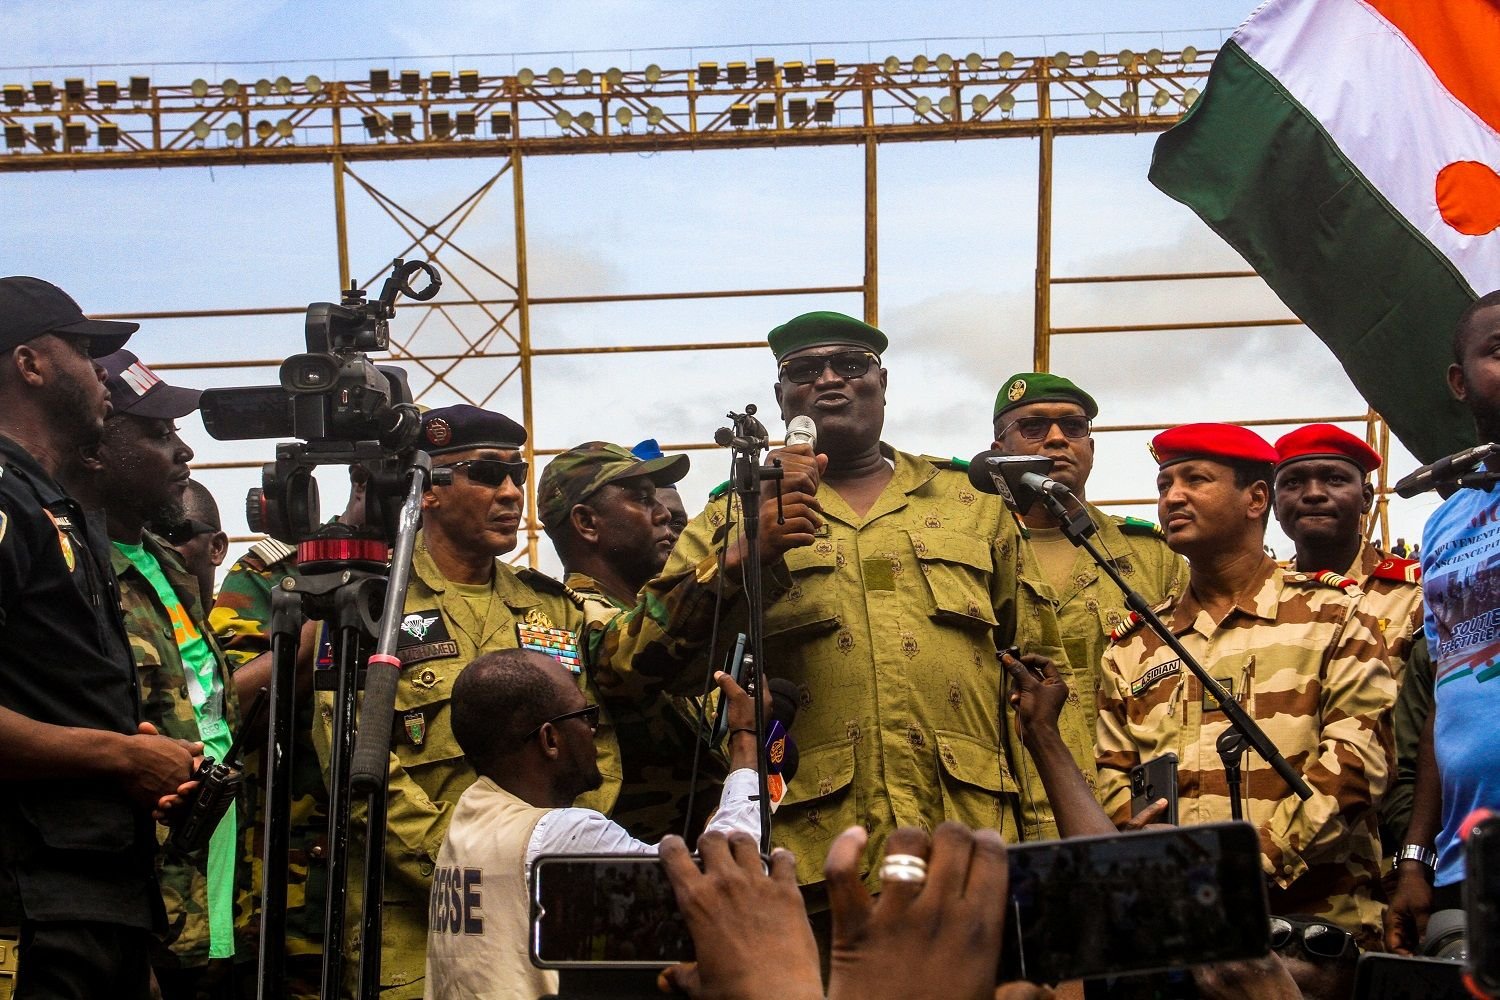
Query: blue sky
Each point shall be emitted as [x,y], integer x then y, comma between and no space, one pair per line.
[957,224]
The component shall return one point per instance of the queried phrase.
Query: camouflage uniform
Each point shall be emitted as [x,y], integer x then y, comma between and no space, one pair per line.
[656,753]
[1393,596]
[241,620]
[1314,666]
[1088,609]
[888,623]
[165,704]
[428,771]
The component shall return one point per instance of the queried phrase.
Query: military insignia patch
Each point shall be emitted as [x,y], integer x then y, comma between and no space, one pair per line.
[423,635]
[416,625]
[438,432]
[1017,390]
[415,725]
[557,643]
[426,680]
[1152,677]
[64,543]
[1210,703]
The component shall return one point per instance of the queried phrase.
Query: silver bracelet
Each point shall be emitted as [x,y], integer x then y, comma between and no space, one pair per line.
[1416,852]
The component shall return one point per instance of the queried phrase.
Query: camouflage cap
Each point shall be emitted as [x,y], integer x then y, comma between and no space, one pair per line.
[1042,387]
[816,329]
[578,473]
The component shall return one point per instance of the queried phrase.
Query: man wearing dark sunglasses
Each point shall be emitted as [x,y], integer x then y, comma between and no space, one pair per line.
[1038,413]
[198,537]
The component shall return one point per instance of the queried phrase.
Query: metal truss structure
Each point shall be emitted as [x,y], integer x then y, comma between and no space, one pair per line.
[404,115]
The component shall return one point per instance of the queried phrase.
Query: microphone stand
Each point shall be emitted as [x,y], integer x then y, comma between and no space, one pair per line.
[748,438]
[1243,732]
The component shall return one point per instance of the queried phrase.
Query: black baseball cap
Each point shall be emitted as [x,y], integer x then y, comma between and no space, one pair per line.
[31,307]
[139,391]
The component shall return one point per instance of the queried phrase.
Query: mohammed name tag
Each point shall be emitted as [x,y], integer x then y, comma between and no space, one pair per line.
[558,643]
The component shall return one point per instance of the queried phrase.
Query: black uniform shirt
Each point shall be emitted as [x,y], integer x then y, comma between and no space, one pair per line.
[69,849]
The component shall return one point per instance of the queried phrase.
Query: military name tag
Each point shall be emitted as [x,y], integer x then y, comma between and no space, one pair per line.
[557,643]
[1153,676]
[424,636]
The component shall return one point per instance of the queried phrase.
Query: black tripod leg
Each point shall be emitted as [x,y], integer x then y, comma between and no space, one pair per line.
[286,623]
[346,656]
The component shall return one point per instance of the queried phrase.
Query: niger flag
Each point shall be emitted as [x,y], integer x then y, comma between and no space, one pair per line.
[1349,150]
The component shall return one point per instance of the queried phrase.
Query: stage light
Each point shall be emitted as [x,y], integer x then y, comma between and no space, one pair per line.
[794,73]
[947,105]
[46,135]
[823,110]
[1190,97]
[1128,100]
[765,112]
[825,70]
[765,70]
[1006,60]
[284,86]
[1007,102]
[924,105]
[624,116]
[468,81]
[285,128]
[736,73]
[15,137]
[314,84]
[264,130]
[526,77]
[655,115]
[892,65]
[233,131]
[380,80]
[15,95]
[739,115]
[440,124]
[109,134]
[1160,99]
[108,91]
[231,87]
[614,76]
[1126,59]
[500,123]
[1092,100]
[980,103]
[919,64]
[556,76]
[140,88]
[1189,54]
[441,82]
[262,87]
[76,135]
[973,62]
[42,93]
[586,121]
[944,63]
[200,89]
[1091,59]
[1062,60]
[708,74]
[401,125]
[73,88]
[411,82]
[798,108]
[653,73]
[201,129]
[564,119]
[585,77]
[374,126]
[1153,57]
[467,123]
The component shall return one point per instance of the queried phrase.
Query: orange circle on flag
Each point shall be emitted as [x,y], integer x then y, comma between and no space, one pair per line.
[1468,197]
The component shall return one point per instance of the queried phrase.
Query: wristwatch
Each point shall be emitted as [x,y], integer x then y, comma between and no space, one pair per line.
[1416,852]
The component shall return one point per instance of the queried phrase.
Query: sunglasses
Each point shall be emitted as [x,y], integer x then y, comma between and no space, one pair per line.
[588,713]
[185,531]
[493,472]
[1318,938]
[845,364]
[1037,428]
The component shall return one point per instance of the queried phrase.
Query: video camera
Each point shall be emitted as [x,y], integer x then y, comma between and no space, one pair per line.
[345,409]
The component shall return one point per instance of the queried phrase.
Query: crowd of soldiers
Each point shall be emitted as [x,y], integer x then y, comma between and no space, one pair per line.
[890,583]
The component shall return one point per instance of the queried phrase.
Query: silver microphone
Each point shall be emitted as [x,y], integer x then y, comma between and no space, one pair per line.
[801,430]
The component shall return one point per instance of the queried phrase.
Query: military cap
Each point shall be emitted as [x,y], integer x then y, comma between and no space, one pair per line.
[578,473]
[1042,387]
[1325,441]
[1218,442]
[30,307]
[818,329]
[137,390]
[647,449]
[460,427]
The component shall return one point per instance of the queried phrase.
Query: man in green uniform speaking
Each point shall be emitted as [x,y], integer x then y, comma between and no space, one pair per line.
[1038,413]
[887,618]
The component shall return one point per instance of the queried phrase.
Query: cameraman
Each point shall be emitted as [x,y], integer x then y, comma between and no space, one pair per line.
[529,732]
[79,772]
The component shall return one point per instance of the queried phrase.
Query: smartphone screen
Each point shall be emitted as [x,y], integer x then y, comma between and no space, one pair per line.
[1401,977]
[1135,902]
[605,911]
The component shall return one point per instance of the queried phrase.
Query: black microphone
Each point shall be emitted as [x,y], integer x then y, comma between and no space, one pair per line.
[1444,471]
[785,701]
[1019,480]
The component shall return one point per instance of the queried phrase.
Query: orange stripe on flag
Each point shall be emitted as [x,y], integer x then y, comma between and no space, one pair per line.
[1468,196]
[1460,40]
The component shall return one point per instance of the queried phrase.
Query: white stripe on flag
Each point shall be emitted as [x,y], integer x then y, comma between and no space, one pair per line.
[1384,107]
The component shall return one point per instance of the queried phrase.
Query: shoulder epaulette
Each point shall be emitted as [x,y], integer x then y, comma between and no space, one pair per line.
[1399,570]
[1132,621]
[1141,526]
[270,552]
[720,490]
[541,582]
[1338,581]
[955,464]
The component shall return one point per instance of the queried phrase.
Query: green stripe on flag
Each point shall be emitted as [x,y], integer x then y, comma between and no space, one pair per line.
[1265,176]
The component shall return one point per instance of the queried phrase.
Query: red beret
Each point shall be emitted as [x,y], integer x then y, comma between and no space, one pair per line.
[1325,441]
[1219,442]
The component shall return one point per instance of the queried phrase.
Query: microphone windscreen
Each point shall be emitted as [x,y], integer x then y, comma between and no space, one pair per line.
[801,430]
[785,701]
[979,472]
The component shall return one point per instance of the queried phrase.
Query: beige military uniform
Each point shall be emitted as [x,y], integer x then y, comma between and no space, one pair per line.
[441,632]
[1393,597]
[1089,606]
[888,624]
[1309,665]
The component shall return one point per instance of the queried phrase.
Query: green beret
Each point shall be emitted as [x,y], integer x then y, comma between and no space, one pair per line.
[1042,387]
[816,329]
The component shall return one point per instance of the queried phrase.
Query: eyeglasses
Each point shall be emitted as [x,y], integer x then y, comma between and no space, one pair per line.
[1318,938]
[493,472]
[185,531]
[588,713]
[1037,428]
[845,364]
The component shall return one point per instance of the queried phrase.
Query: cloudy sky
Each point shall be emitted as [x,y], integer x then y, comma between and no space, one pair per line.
[957,226]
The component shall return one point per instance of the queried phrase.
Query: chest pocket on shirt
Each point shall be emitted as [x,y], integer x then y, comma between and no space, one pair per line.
[805,609]
[957,571]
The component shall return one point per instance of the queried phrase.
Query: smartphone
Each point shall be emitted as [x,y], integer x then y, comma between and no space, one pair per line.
[1400,977]
[1135,902]
[1482,902]
[605,911]
[734,666]
[1155,779]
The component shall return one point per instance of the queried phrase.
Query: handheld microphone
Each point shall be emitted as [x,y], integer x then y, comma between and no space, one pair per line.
[1019,480]
[1444,471]
[784,706]
[801,430]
